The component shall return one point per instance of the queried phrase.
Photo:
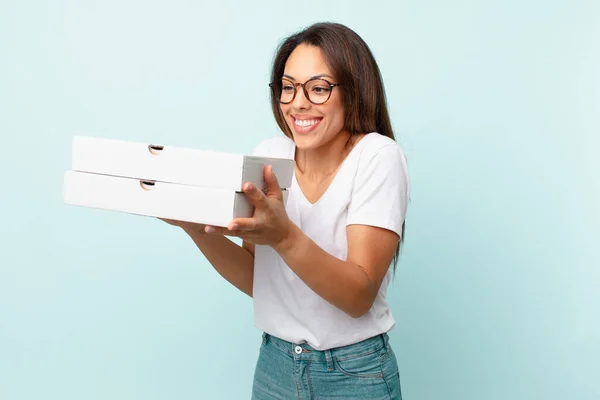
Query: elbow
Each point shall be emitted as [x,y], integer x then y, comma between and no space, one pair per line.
[360,308]
[362,302]
[358,312]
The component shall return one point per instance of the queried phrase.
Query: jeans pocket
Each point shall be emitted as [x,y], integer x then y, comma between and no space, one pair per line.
[391,374]
[366,366]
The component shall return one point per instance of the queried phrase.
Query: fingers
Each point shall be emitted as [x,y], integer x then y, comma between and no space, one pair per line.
[273,189]
[234,227]
[257,197]
[217,230]
[242,224]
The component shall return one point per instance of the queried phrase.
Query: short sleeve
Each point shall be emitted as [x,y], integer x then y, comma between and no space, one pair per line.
[381,190]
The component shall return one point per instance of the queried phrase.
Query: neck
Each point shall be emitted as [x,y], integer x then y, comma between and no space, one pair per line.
[323,161]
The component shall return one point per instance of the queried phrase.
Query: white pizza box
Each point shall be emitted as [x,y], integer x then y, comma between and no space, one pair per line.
[187,166]
[197,204]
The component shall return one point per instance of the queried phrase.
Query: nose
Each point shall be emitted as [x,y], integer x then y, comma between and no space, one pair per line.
[300,101]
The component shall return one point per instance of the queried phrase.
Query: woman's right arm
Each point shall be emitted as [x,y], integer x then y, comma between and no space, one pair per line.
[232,261]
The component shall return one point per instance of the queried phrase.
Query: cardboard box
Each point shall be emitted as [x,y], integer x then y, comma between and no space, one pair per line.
[166,182]
[171,164]
[156,199]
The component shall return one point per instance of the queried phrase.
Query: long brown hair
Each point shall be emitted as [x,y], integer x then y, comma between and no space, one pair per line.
[352,63]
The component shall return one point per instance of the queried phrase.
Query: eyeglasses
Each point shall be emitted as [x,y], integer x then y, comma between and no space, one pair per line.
[317,90]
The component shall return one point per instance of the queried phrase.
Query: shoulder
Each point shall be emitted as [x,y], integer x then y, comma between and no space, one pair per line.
[381,184]
[275,146]
[378,149]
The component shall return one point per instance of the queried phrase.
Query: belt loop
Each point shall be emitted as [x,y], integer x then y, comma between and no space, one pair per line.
[329,360]
[264,338]
[385,338]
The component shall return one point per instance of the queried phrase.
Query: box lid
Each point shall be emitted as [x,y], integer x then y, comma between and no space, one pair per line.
[187,166]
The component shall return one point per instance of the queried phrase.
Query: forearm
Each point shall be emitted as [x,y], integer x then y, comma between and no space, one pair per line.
[344,284]
[231,261]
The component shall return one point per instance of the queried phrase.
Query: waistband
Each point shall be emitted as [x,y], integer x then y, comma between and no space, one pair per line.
[304,351]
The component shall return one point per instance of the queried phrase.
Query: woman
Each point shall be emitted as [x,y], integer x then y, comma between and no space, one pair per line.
[318,266]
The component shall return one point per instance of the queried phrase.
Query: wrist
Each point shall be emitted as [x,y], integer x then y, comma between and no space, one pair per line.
[288,240]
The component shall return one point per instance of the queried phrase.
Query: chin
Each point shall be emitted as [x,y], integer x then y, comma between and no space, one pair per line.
[305,142]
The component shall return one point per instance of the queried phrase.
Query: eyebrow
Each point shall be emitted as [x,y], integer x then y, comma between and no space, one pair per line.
[312,77]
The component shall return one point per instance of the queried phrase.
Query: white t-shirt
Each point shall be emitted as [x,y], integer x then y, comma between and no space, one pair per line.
[371,187]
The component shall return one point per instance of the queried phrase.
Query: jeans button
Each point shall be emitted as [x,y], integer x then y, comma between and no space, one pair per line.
[298,350]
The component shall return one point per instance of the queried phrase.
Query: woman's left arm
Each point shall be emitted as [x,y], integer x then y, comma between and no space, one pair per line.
[350,285]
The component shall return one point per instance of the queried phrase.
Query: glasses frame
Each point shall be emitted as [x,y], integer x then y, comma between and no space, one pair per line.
[296,84]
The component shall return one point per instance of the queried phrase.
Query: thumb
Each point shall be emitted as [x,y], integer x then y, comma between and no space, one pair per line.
[273,189]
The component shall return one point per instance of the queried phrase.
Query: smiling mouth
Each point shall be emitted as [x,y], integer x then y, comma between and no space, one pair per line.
[306,125]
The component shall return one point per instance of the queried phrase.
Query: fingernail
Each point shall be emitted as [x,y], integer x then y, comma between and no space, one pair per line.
[209,229]
[232,227]
[250,187]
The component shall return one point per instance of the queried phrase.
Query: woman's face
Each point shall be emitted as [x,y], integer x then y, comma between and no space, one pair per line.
[312,125]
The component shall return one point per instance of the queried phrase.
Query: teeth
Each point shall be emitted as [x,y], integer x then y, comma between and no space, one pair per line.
[306,122]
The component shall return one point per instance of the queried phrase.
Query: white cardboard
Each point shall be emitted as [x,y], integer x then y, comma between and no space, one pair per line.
[179,165]
[164,200]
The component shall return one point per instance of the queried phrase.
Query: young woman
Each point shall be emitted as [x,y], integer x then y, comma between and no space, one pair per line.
[318,266]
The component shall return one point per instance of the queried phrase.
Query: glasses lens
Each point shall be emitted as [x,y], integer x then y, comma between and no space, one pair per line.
[318,91]
[287,90]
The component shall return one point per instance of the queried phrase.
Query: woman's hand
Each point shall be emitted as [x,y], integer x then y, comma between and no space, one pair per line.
[270,224]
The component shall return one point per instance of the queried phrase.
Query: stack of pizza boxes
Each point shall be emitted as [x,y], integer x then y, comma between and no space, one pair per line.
[168,182]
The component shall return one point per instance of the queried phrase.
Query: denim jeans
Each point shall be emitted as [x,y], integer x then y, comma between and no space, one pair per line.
[366,370]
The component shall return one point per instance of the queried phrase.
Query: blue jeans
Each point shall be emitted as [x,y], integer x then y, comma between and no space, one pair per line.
[365,370]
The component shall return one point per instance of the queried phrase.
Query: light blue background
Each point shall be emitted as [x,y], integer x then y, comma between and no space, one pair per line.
[496,104]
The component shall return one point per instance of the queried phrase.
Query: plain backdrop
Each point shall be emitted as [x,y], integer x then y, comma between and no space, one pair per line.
[496,104]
